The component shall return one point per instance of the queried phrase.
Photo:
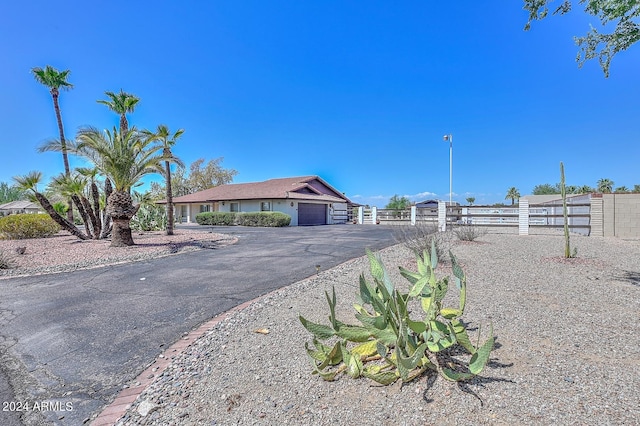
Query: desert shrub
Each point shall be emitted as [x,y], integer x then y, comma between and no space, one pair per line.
[149,218]
[216,218]
[6,261]
[469,232]
[270,219]
[390,344]
[418,238]
[23,226]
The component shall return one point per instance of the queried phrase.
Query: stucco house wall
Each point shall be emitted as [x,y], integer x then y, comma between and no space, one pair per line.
[290,192]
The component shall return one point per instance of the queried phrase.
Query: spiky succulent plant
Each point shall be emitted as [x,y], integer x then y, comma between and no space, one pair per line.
[389,344]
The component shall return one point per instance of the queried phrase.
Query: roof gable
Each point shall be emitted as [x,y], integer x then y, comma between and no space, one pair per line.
[304,187]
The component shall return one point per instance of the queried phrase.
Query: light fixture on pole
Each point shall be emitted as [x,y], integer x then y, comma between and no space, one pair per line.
[449,138]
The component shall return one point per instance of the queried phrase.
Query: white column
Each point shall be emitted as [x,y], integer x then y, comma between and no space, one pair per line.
[374,215]
[523,217]
[360,215]
[442,216]
[413,215]
[188,213]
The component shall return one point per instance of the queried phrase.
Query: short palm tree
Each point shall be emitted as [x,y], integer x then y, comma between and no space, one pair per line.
[167,140]
[605,186]
[56,80]
[622,190]
[124,158]
[471,200]
[585,189]
[29,182]
[121,103]
[512,194]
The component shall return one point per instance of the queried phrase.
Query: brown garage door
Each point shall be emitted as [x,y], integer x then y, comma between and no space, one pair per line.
[312,214]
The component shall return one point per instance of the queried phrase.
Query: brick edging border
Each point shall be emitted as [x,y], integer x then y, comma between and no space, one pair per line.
[114,411]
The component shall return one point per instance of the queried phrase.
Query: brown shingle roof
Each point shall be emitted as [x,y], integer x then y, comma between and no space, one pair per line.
[294,187]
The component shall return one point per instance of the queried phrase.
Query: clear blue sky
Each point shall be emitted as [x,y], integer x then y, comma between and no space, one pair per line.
[359,93]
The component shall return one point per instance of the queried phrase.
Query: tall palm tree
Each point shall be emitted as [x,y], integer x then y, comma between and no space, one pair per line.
[605,186]
[124,158]
[512,194]
[56,80]
[29,182]
[121,103]
[167,140]
[471,200]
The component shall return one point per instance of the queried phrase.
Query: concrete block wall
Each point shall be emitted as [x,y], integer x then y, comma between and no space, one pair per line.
[621,215]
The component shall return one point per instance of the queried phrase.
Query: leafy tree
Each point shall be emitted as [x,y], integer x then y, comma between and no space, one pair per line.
[167,140]
[585,189]
[512,194]
[636,189]
[56,80]
[398,203]
[604,46]
[471,200]
[622,190]
[124,158]
[10,193]
[545,189]
[212,174]
[605,186]
[121,103]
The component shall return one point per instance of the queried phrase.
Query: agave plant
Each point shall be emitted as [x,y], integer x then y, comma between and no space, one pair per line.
[389,344]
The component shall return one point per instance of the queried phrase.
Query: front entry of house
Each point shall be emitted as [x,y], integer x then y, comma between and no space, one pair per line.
[312,214]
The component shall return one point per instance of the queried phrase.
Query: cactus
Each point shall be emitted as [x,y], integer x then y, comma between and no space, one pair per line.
[389,344]
[563,193]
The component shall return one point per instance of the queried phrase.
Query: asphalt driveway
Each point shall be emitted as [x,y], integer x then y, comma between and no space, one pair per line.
[72,340]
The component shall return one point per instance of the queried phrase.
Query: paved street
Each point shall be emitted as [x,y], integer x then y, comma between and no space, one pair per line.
[74,339]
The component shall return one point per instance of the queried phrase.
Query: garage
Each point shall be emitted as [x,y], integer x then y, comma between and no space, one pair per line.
[312,214]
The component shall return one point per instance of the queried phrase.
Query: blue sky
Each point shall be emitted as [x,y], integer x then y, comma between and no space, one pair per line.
[358,93]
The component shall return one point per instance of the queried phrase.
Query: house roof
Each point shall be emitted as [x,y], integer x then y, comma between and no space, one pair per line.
[547,198]
[20,205]
[297,188]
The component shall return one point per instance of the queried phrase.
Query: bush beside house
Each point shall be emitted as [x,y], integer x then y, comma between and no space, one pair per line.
[266,219]
[23,226]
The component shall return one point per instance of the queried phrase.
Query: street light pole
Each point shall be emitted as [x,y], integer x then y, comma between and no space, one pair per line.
[449,138]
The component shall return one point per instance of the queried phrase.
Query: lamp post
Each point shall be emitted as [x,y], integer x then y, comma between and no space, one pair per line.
[449,138]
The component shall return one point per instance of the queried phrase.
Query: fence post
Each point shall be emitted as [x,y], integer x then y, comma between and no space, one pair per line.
[523,217]
[374,215]
[360,215]
[413,215]
[442,216]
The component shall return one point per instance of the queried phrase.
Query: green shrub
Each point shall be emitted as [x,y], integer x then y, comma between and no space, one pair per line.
[389,344]
[270,219]
[23,226]
[149,218]
[216,218]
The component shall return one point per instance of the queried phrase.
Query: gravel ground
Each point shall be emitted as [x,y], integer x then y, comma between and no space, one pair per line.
[567,348]
[64,252]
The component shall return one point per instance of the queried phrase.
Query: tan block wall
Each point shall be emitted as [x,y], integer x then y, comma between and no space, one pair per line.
[621,215]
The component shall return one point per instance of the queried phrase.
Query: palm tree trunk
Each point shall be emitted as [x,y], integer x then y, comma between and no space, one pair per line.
[63,145]
[95,222]
[124,125]
[95,195]
[64,223]
[167,167]
[106,220]
[83,215]
[121,209]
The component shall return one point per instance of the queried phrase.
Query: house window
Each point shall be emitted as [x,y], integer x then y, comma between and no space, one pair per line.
[265,206]
[234,207]
[205,208]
